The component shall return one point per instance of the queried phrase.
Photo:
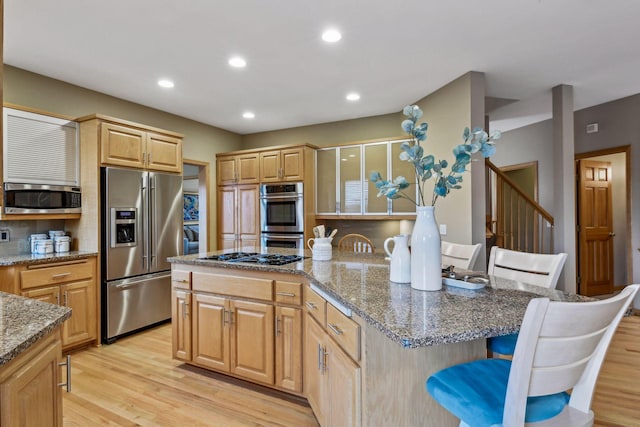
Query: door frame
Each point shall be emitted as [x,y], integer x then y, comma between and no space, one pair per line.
[203,201]
[626,150]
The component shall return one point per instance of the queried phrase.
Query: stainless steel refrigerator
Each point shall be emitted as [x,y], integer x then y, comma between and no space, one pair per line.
[141,228]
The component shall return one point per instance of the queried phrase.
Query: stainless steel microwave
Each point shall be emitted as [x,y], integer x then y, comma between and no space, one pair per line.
[41,199]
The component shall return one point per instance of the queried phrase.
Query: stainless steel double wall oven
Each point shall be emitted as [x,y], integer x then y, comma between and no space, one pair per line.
[282,215]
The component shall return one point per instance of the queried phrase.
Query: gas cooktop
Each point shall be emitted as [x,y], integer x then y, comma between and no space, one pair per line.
[255,258]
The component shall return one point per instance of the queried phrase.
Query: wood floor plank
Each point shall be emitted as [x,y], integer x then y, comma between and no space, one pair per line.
[135,382]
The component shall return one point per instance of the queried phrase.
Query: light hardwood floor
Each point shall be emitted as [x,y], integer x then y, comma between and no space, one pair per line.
[134,382]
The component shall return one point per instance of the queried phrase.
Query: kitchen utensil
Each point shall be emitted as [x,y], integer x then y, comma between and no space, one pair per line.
[316,233]
[400,267]
[327,231]
[321,231]
[333,233]
[321,248]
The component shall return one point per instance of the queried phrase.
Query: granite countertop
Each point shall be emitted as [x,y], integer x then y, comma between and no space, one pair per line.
[409,317]
[28,258]
[23,321]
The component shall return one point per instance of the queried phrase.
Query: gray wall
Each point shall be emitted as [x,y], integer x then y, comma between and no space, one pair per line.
[619,125]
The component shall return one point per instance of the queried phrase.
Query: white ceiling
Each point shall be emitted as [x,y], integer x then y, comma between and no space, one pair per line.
[392,52]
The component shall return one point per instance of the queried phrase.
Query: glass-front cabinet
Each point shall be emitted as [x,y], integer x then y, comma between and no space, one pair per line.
[343,185]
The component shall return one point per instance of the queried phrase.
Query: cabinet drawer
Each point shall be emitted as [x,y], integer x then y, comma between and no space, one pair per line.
[289,292]
[316,306]
[181,279]
[246,287]
[41,276]
[344,331]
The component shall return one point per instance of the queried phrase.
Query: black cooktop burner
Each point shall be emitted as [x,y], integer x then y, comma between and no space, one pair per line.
[255,258]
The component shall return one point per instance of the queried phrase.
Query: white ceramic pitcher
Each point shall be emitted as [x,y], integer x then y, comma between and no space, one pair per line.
[321,248]
[400,268]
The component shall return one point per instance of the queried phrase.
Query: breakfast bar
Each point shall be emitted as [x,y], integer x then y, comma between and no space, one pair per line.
[386,337]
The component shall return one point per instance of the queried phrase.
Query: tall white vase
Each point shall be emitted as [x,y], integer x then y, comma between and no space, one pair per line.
[426,258]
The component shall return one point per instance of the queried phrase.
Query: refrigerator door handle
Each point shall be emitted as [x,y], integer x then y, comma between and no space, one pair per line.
[151,219]
[145,220]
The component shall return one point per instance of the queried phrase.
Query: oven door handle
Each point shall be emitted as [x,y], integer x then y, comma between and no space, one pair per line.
[282,236]
[292,198]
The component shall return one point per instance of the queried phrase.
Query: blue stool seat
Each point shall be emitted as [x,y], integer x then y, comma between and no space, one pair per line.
[475,393]
[505,344]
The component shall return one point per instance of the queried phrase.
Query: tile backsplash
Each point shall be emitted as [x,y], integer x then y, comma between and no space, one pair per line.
[19,232]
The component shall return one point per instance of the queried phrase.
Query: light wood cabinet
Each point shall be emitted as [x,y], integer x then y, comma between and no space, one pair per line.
[288,331]
[29,390]
[238,169]
[238,217]
[71,284]
[282,165]
[138,148]
[332,380]
[181,324]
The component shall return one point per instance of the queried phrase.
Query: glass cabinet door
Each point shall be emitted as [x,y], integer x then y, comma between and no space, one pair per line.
[326,181]
[350,180]
[375,160]
[406,169]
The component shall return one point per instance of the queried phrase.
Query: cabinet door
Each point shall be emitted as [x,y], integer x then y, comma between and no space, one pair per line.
[375,160]
[227,215]
[270,166]
[211,332]
[326,199]
[314,380]
[122,146]
[164,153]
[226,170]
[31,396]
[289,348]
[252,341]
[248,214]
[343,376]
[292,164]
[350,181]
[50,294]
[248,168]
[81,326]
[181,324]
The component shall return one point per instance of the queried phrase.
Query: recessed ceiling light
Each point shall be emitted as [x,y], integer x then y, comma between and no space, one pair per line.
[353,96]
[237,62]
[248,115]
[165,83]
[331,35]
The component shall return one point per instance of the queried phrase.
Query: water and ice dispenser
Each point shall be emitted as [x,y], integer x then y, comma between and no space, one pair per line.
[123,227]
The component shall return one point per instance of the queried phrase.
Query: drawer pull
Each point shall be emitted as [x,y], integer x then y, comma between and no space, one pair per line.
[286,294]
[60,275]
[180,281]
[334,328]
[68,365]
[311,305]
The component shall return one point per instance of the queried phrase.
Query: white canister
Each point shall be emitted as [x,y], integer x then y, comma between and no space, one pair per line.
[55,233]
[61,243]
[33,239]
[44,246]
[321,248]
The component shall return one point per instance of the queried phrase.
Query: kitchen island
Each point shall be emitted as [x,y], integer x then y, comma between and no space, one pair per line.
[30,351]
[390,337]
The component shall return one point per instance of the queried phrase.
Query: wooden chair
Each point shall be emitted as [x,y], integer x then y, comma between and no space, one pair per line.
[561,346]
[535,269]
[356,243]
[460,256]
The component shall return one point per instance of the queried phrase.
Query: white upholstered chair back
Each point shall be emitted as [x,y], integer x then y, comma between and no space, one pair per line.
[561,346]
[459,255]
[535,269]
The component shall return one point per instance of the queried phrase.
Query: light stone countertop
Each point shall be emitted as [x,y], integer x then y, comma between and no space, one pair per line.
[23,321]
[28,258]
[409,317]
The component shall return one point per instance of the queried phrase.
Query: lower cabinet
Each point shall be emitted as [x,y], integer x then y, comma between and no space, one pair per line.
[181,324]
[332,379]
[233,336]
[29,390]
[288,348]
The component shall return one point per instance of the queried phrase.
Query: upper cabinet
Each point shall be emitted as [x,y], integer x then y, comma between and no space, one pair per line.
[343,185]
[238,169]
[140,148]
[282,165]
